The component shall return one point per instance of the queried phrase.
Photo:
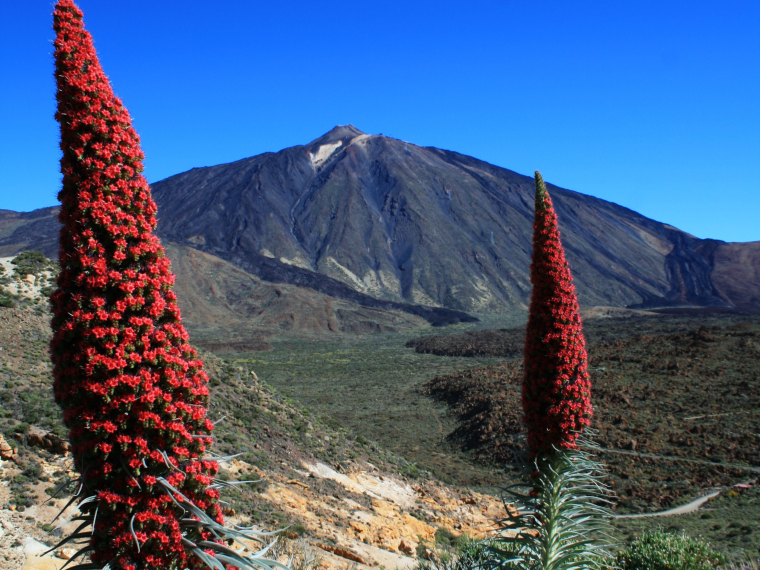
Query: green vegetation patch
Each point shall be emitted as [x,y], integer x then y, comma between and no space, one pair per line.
[665,551]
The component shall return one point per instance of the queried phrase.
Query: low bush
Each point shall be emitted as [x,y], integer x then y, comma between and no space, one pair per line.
[466,554]
[411,471]
[660,550]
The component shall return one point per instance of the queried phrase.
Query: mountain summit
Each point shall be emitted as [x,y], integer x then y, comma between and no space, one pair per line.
[342,133]
[370,214]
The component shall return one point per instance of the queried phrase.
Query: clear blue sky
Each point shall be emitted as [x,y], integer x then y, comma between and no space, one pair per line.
[654,105]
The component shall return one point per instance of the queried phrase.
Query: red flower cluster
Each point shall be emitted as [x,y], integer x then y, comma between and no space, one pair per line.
[556,393]
[133,391]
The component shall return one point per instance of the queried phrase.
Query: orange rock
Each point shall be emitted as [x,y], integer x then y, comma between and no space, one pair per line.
[384,508]
[347,554]
[65,553]
[6,451]
[416,527]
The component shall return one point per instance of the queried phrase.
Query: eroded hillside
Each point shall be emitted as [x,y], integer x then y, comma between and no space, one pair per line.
[346,499]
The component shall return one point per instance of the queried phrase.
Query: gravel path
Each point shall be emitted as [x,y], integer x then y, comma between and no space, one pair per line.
[682,510]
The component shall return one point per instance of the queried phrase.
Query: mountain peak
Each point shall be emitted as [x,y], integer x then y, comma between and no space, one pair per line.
[343,133]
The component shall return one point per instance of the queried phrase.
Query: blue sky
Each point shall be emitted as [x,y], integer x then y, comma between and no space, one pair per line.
[654,105]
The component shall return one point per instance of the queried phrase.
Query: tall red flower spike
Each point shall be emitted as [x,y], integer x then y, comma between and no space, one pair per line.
[556,394]
[132,390]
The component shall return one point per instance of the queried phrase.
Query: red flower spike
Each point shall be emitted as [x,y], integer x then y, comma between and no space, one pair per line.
[556,392]
[130,387]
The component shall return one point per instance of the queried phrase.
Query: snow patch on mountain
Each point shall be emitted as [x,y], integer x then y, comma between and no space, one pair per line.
[323,153]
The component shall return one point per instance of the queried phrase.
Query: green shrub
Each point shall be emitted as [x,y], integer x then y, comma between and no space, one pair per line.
[23,427]
[444,536]
[410,471]
[298,528]
[33,472]
[660,550]
[361,440]
[29,262]
[31,416]
[47,291]
[465,556]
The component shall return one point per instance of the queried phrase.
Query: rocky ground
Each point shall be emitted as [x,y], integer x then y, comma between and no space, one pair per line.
[365,515]
[26,279]
[654,395]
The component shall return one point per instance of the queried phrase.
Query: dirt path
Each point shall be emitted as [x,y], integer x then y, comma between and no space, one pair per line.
[689,507]
[682,510]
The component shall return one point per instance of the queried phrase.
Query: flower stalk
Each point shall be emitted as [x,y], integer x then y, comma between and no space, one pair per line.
[556,393]
[556,516]
[133,391]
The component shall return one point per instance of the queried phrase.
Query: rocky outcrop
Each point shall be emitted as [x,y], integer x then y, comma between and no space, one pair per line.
[7,453]
[40,438]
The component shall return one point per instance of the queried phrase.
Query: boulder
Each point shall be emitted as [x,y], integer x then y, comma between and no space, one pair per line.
[40,438]
[407,547]
[6,451]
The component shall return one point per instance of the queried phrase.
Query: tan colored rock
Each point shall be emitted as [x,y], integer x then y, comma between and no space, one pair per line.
[60,446]
[6,451]
[407,547]
[65,553]
[35,439]
[40,438]
[416,527]
[347,554]
[384,508]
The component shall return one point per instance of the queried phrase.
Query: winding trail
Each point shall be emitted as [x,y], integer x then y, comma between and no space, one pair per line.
[682,510]
[688,507]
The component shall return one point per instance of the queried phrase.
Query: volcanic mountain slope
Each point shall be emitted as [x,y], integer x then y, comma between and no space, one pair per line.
[427,226]
[36,230]
[355,213]
[227,309]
